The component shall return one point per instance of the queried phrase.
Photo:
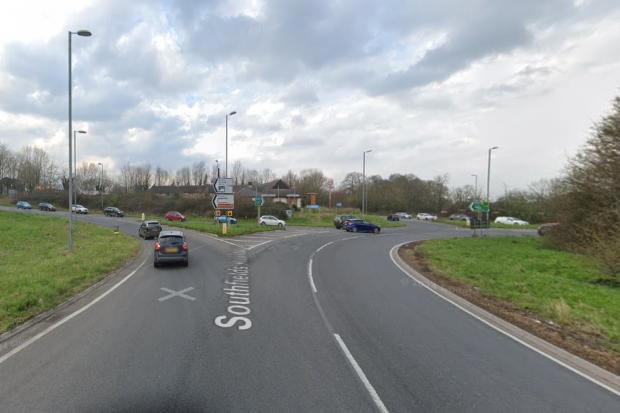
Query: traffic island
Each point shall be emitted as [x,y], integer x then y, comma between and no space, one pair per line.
[38,271]
[560,297]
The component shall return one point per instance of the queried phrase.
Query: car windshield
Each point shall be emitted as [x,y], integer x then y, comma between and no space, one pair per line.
[171,240]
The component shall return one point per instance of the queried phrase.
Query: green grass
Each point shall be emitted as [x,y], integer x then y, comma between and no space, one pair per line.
[326,219]
[203,224]
[559,286]
[493,225]
[37,272]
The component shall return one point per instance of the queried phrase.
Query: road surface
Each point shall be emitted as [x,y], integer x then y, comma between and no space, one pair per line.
[367,338]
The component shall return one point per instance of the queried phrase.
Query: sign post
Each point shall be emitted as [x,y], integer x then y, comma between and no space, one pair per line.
[259,201]
[224,198]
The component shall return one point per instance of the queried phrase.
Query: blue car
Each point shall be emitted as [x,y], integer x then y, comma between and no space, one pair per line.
[23,205]
[232,220]
[359,225]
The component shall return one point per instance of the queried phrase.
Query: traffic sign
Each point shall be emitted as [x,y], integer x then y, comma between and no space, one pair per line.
[479,206]
[218,213]
[223,201]
[259,201]
[223,186]
[338,204]
[229,213]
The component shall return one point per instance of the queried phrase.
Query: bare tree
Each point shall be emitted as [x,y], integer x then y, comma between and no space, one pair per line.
[199,170]
[237,172]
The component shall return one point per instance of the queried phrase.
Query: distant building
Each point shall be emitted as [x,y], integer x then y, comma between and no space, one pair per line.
[274,191]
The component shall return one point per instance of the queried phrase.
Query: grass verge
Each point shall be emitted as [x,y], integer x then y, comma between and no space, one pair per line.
[493,225]
[560,296]
[38,272]
[204,224]
[326,219]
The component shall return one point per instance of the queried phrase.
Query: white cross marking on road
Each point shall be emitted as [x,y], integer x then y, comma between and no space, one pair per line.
[177,294]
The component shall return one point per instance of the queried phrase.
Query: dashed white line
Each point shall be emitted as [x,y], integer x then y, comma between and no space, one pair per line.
[360,373]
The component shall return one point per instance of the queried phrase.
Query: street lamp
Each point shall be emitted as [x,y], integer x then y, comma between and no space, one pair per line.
[364,195]
[101,184]
[75,163]
[489,182]
[84,33]
[227,115]
[475,187]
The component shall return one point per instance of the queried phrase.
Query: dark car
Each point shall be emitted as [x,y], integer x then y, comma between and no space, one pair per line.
[339,220]
[359,225]
[46,206]
[113,212]
[23,205]
[393,217]
[458,217]
[171,247]
[149,229]
[174,216]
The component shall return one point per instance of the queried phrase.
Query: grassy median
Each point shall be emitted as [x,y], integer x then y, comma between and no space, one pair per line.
[202,224]
[567,289]
[326,219]
[37,272]
[493,224]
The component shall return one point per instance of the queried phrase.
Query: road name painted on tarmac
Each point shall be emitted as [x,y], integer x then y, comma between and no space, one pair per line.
[237,288]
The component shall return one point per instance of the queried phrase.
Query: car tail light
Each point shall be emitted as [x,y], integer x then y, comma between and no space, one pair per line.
[157,246]
[185,246]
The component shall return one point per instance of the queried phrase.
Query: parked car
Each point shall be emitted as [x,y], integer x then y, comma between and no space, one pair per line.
[359,225]
[79,209]
[340,219]
[545,229]
[171,246]
[149,229]
[393,217]
[113,212]
[23,205]
[271,220]
[403,215]
[510,221]
[222,219]
[458,217]
[46,206]
[174,216]
[423,216]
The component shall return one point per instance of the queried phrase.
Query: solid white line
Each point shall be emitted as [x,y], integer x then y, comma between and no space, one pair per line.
[258,245]
[371,390]
[518,340]
[310,276]
[69,317]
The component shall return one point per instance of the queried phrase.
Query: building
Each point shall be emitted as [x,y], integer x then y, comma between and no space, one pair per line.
[274,191]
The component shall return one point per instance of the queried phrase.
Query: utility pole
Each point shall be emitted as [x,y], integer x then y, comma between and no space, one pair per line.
[489,186]
[227,115]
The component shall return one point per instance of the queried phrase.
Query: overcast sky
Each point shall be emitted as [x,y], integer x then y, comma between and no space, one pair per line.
[429,86]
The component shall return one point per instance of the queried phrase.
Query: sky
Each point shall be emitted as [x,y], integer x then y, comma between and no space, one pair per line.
[428,86]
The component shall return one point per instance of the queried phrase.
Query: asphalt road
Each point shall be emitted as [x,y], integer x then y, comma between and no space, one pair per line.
[369,338]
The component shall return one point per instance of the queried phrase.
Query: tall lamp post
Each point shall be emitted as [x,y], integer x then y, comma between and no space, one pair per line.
[475,186]
[227,115]
[84,33]
[489,183]
[75,163]
[101,184]
[364,195]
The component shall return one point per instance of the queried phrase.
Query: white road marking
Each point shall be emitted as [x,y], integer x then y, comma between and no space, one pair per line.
[360,373]
[69,317]
[518,340]
[310,276]
[173,293]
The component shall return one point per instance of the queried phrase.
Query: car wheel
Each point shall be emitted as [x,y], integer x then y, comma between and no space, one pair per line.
[354,229]
[186,262]
[376,231]
[280,225]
